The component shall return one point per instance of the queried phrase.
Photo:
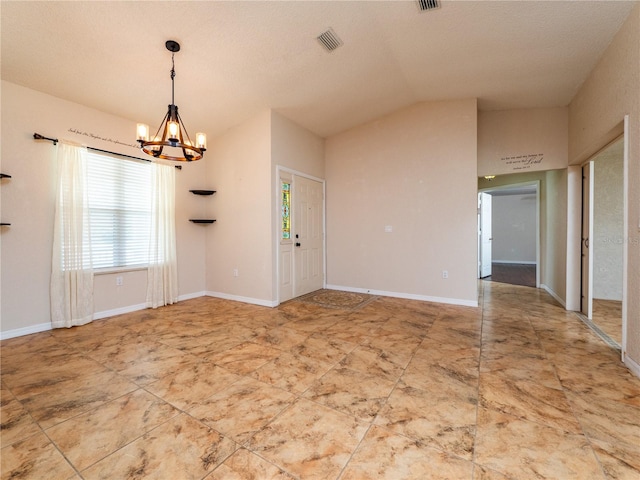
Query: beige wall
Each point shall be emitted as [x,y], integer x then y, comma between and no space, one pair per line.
[239,169]
[28,204]
[520,141]
[415,171]
[514,228]
[296,149]
[555,259]
[595,114]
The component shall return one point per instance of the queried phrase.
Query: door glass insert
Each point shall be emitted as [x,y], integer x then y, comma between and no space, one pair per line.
[286,210]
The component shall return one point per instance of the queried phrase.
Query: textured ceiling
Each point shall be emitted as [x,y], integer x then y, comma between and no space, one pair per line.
[238,57]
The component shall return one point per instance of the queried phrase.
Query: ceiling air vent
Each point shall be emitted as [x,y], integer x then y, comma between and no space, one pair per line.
[329,40]
[428,4]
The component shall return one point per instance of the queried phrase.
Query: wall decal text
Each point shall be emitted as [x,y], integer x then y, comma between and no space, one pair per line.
[100,137]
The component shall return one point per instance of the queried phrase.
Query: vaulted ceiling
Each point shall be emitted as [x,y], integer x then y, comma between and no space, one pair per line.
[239,57]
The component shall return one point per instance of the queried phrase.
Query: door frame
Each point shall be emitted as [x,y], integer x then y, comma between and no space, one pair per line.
[289,172]
[510,186]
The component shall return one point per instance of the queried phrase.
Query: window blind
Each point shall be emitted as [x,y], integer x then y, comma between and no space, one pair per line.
[119,210]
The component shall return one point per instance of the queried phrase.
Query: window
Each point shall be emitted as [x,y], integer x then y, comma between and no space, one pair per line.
[119,211]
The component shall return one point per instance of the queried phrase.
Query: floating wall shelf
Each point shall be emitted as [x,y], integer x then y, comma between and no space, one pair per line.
[4,175]
[201,220]
[203,192]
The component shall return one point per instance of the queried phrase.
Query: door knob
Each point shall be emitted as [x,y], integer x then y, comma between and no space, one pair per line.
[297,244]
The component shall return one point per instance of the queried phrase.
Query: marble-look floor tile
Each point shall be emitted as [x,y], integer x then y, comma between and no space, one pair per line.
[64,400]
[309,440]
[323,348]
[613,427]
[92,436]
[533,370]
[191,385]
[454,338]
[292,372]
[453,380]
[283,338]
[384,455]
[350,332]
[15,422]
[527,400]
[615,466]
[180,448]
[143,361]
[34,458]
[244,465]
[399,347]
[484,473]
[437,420]
[245,358]
[40,373]
[527,450]
[352,392]
[243,408]
[37,343]
[612,382]
[374,361]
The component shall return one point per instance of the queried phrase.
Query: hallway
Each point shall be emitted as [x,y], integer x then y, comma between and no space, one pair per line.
[397,389]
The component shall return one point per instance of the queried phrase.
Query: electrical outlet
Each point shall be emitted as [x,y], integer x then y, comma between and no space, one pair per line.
[119,281]
[445,274]
[235,272]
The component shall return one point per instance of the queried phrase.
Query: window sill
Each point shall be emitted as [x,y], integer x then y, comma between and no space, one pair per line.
[111,270]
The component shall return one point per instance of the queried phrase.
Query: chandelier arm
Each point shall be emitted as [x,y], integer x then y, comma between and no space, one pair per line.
[162,124]
[186,132]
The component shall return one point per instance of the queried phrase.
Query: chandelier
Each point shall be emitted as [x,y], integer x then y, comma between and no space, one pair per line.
[175,143]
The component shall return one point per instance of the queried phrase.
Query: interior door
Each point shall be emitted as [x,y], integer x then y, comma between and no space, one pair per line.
[586,295]
[485,234]
[308,238]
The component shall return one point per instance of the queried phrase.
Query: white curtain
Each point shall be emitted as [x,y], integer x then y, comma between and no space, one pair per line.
[71,273]
[162,276]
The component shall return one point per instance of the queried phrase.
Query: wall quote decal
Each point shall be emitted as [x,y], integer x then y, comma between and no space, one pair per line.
[100,137]
[523,162]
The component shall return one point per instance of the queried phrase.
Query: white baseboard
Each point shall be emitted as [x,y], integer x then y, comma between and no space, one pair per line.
[19,332]
[238,298]
[189,296]
[43,327]
[632,365]
[553,294]
[515,262]
[407,296]
[119,311]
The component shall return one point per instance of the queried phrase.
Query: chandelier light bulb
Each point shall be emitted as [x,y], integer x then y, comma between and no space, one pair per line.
[201,140]
[143,132]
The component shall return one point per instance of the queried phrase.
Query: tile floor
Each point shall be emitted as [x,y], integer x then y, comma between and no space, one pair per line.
[607,315]
[208,388]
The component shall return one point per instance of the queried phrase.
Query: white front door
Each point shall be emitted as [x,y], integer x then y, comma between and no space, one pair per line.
[485,238]
[308,235]
[586,296]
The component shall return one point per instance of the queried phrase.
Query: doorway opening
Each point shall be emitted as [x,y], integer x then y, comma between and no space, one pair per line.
[513,244]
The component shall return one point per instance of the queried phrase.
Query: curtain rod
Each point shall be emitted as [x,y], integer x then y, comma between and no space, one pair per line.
[37,136]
